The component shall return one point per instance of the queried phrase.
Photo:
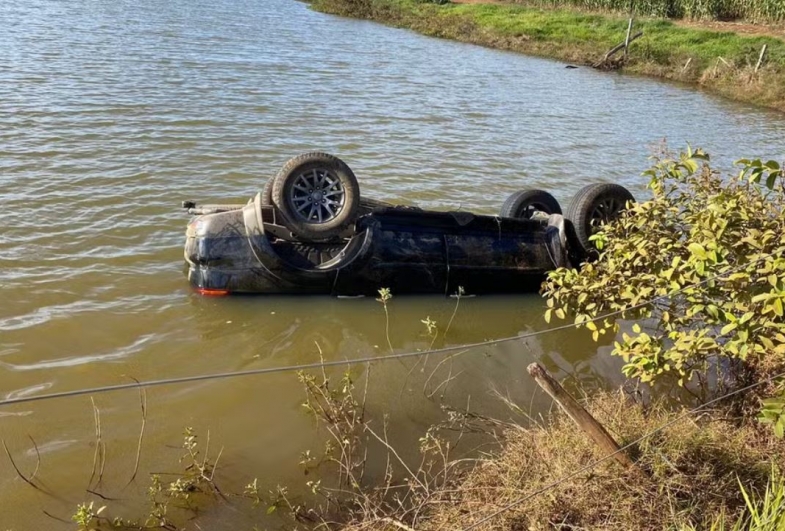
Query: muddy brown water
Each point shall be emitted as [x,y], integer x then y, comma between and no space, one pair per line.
[113,112]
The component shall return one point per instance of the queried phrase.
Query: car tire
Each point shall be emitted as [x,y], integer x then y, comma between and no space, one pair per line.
[267,192]
[523,204]
[367,204]
[317,196]
[593,206]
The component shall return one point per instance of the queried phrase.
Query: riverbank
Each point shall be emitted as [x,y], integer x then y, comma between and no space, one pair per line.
[719,61]
[704,472]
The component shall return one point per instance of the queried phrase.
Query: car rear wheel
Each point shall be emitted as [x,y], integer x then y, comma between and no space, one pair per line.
[593,206]
[267,192]
[523,204]
[317,196]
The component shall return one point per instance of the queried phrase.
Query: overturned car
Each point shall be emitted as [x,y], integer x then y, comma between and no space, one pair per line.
[310,231]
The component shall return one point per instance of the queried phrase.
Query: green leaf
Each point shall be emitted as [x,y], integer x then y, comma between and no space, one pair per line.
[771,180]
[697,250]
[728,328]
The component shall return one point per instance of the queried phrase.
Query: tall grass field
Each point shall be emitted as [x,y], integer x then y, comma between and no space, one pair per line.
[748,10]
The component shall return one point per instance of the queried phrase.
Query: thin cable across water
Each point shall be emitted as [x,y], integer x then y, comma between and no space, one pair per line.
[369,359]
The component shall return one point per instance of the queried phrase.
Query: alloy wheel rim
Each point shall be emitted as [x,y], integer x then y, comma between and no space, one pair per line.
[604,211]
[317,196]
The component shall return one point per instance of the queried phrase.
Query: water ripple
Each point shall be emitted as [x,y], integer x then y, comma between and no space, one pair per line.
[114,111]
[73,361]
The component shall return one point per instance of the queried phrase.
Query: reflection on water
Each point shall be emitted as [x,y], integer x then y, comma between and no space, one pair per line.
[113,112]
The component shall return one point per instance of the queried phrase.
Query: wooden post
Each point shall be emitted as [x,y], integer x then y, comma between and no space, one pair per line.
[578,413]
[627,39]
[760,59]
[615,49]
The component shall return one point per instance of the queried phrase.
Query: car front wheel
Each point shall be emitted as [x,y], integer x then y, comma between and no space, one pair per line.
[317,196]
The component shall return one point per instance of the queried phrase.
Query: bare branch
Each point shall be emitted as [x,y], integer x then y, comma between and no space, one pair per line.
[19,472]
[398,457]
[38,458]
[143,405]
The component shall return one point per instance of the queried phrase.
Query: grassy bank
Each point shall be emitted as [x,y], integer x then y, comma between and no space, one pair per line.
[687,476]
[721,62]
[709,471]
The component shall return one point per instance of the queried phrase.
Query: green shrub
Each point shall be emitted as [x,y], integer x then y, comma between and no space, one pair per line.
[697,226]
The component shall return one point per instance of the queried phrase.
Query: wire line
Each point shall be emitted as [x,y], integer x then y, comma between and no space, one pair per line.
[369,359]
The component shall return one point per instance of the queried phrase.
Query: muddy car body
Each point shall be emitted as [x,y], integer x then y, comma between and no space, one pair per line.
[262,247]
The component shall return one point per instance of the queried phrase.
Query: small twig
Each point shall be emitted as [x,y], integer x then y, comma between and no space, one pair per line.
[97,453]
[387,329]
[362,418]
[206,453]
[53,517]
[392,450]
[143,404]
[107,498]
[396,523]
[458,295]
[387,467]
[13,464]
[760,59]
[103,464]
[462,432]
[321,360]
[384,298]
[38,458]
[409,374]
[215,465]
[428,380]
[450,378]
[627,39]
[365,391]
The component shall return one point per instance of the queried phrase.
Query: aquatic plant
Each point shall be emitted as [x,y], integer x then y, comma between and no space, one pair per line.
[168,500]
